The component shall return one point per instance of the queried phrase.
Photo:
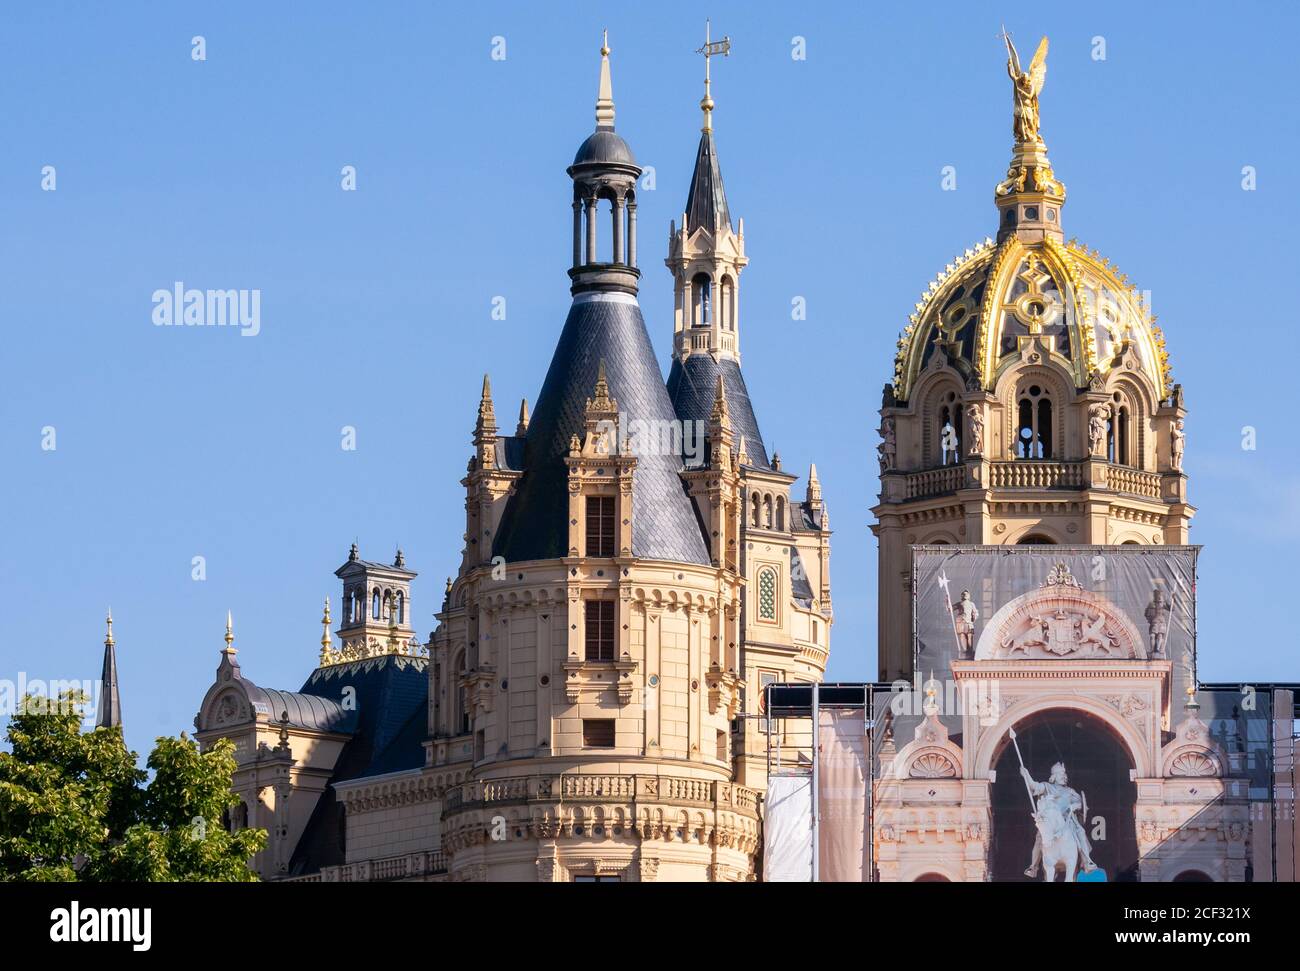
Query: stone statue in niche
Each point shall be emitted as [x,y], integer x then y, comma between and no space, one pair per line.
[975,422]
[1177,439]
[1098,420]
[888,448]
[1157,615]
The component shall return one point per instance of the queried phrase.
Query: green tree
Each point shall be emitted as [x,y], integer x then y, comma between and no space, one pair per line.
[74,806]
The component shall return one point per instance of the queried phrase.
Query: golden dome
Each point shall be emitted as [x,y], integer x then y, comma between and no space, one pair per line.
[1030,284]
[986,300]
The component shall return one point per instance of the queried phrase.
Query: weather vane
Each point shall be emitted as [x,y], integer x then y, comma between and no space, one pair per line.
[710,48]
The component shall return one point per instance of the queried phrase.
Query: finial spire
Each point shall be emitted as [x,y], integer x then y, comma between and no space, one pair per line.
[230,634]
[709,49]
[110,701]
[325,643]
[605,96]
[522,428]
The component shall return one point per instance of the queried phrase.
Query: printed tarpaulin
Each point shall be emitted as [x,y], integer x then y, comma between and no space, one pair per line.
[787,830]
[842,795]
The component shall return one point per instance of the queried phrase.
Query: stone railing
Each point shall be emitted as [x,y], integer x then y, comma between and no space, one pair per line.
[1030,474]
[935,482]
[427,863]
[599,788]
[1133,481]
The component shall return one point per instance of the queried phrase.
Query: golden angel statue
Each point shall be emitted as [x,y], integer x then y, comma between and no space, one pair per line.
[1025,86]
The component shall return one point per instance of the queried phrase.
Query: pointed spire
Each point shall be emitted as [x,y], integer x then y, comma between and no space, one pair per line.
[485,428]
[742,457]
[486,415]
[230,635]
[325,643]
[605,97]
[814,485]
[721,413]
[602,401]
[522,428]
[706,201]
[110,701]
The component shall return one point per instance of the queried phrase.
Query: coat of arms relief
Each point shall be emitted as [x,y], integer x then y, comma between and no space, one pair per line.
[1060,620]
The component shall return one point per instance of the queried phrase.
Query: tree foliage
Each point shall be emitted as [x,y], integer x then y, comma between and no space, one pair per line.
[75,806]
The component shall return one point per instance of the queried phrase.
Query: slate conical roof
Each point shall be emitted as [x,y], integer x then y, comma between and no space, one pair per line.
[692,385]
[600,327]
[706,201]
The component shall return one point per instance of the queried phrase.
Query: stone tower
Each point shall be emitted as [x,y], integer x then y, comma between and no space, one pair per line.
[1032,401]
[585,670]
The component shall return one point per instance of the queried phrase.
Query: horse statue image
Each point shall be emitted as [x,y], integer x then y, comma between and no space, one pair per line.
[1061,843]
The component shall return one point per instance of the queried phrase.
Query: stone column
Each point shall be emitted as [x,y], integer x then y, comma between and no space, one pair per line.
[577,233]
[591,230]
[616,211]
[631,234]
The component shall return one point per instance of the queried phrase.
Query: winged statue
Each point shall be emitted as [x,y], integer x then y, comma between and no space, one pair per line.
[1026,85]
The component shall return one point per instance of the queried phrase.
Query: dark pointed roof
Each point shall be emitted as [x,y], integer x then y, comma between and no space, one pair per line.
[110,702]
[706,201]
[692,386]
[600,327]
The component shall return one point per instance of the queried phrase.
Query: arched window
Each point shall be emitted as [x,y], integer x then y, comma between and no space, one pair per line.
[401,607]
[949,429]
[755,517]
[767,512]
[460,717]
[1034,423]
[780,513]
[701,300]
[1035,539]
[727,304]
[375,605]
[767,594]
[1118,434]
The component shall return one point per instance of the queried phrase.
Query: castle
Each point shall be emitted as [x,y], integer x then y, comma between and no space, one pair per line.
[636,568]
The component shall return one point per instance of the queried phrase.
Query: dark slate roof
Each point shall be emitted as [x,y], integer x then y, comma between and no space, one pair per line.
[706,201]
[799,585]
[692,386]
[810,517]
[534,526]
[391,695]
[510,452]
[309,711]
[604,146]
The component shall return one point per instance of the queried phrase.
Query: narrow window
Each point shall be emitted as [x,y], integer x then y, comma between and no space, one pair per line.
[600,525]
[722,745]
[600,630]
[374,605]
[401,608]
[767,594]
[598,733]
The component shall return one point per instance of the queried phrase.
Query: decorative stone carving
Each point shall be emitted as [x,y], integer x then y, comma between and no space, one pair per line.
[1060,620]
[932,765]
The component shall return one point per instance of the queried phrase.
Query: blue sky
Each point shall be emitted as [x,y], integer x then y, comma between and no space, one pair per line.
[376,304]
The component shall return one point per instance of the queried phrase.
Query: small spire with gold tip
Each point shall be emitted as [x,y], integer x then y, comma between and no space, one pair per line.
[230,635]
[108,637]
[325,643]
